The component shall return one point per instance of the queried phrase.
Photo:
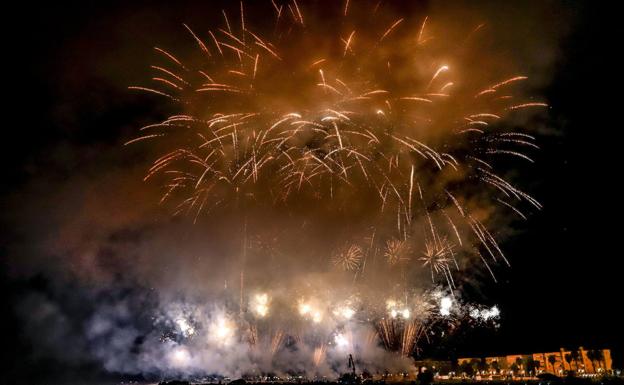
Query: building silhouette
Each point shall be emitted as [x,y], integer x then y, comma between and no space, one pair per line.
[582,361]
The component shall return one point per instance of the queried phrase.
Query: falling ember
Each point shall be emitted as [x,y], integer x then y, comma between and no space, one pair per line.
[319,355]
[276,341]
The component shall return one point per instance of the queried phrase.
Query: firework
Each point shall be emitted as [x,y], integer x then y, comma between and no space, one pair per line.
[179,357]
[341,341]
[370,124]
[409,338]
[438,256]
[311,310]
[260,305]
[276,341]
[345,312]
[485,314]
[221,331]
[352,133]
[445,306]
[397,251]
[185,327]
[348,259]
[398,335]
[397,309]
[319,354]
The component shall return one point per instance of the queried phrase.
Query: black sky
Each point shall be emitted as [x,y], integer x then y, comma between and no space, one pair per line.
[66,115]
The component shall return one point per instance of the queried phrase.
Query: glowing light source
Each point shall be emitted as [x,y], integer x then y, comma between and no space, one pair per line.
[345,312]
[221,330]
[185,327]
[445,306]
[308,310]
[341,341]
[396,309]
[260,305]
[180,356]
[317,317]
[304,308]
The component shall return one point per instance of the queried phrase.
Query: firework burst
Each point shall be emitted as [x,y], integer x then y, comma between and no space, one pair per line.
[438,256]
[348,259]
[371,123]
[397,251]
[271,117]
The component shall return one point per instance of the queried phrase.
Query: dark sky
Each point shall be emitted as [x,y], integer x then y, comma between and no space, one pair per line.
[70,112]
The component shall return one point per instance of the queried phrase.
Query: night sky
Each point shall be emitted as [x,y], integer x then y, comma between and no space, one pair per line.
[70,112]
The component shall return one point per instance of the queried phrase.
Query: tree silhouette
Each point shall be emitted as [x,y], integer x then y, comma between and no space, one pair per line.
[599,357]
[519,362]
[575,357]
[496,366]
[591,355]
[552,359]
[483,365]
[568,358]
[532,365]
[528,365]
[467,368]
[475,364]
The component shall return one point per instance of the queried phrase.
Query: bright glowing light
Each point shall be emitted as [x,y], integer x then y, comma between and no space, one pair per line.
[260,305]
[344,312]
[221,331]
[317,316]
[308,310]
[348,313]
[341,341]
[445,306]
[485,314]
[304,308]
[396,309]
[180,357]
[185,327]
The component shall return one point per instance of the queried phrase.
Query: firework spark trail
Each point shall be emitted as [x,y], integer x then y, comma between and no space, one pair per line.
[438,256]
[276,341]
[409,337]
[319,354]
